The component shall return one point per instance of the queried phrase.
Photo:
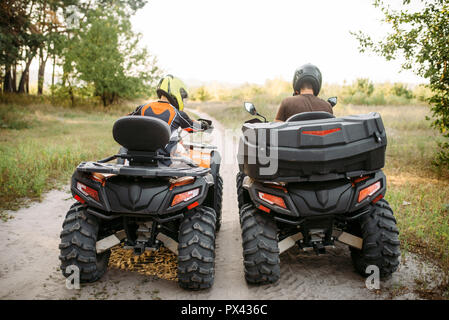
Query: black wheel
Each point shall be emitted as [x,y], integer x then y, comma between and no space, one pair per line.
[242,195]
[78,245]
[260,246]
[214,200]
[380,241]
[196,249]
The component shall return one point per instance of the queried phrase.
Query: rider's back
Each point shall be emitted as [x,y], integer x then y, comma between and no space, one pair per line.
[301,103]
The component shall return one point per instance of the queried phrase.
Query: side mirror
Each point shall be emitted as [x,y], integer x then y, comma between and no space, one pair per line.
[250,108]
[332,101]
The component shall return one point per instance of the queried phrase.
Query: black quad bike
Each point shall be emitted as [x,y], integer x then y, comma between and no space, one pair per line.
[144,204]
[327,185]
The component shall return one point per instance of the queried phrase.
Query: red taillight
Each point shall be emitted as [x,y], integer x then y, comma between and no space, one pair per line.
[321,132]
[272,199]
[267,210]
[185,196]
[193,205]
[79,199]
[368,191]
[87,191]
[380,196]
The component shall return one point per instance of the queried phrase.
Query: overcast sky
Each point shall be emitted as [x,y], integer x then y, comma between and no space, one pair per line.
[251,41]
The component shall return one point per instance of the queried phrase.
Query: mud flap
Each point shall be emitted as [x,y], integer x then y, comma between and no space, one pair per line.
[168,242]
[340,236]
[348,239]
[111,241]
[289,242]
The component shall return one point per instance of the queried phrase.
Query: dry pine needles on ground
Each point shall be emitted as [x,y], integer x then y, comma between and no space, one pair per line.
[161,263]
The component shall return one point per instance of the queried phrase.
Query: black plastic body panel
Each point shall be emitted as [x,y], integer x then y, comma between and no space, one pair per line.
[311,150]
[314,199]
[135,195]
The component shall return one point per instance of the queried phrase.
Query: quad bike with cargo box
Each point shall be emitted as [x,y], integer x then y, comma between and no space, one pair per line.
[328,186]
[142,204]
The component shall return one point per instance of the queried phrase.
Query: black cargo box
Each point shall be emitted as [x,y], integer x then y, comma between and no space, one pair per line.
[313,150]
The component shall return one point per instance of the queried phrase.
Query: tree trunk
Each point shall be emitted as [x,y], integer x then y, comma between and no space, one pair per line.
[14,78]
[53,75]
[72,96]
[27,82]
[41,72]
[23,77]
[7,85]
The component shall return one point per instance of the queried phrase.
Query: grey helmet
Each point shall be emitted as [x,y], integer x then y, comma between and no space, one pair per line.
[308,73]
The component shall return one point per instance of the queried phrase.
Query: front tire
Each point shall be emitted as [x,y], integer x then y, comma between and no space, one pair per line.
[260,246]
[381,246]
[196,249]
[78,245]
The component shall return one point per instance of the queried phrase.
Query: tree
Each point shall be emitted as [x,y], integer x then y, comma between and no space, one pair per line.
[421,38]
[41,28]
[27,28]
[105,53]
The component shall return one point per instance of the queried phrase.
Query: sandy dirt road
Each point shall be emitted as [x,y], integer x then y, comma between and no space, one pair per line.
[29,265]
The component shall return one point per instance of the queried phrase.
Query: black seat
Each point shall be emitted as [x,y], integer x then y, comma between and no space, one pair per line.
[138,133]
[304,116]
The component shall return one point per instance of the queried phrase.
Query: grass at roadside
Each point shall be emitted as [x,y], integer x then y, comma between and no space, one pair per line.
[40,145]
[417,191]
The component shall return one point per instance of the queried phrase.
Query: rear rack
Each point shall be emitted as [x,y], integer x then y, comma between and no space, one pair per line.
[322,177]
[141,171]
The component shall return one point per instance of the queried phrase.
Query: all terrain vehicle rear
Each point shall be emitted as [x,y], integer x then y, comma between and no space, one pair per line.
[311,181]
[143,204]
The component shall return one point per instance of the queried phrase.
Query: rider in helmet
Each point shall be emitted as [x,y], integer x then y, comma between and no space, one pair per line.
[171,92]
[306,86]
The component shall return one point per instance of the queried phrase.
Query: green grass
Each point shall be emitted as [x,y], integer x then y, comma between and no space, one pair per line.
[40,146]
[411,177]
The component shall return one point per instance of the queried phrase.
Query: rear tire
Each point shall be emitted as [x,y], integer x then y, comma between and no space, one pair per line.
[381,246]
[218,203]
[78,245]
[196,249]
[215,200]
[242,195]
[260,246]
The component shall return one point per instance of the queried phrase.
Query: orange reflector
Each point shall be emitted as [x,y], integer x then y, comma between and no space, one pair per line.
[272,199]
[99,178]
[185,196]
[321,132]
[87,191]
[360,179]
[181,182]
[261,207]
[368,191]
